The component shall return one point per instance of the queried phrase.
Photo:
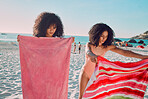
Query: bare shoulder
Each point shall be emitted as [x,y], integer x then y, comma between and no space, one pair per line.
[87,43]
[111,47]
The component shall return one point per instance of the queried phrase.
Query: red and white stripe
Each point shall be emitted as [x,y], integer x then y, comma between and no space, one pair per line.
[118,79]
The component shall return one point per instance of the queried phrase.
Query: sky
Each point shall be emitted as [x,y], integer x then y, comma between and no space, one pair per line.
[126,17]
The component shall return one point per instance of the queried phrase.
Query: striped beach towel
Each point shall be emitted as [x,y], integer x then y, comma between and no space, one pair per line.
[117,80]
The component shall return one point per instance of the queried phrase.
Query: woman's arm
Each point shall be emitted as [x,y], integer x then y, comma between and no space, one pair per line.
[127,53]
[83,83]
[84,77]
[73,39]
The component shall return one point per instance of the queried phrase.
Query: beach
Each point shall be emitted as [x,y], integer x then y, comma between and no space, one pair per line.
[10,73]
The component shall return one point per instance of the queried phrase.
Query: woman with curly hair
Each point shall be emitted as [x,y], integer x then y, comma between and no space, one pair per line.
[100,41]
[48,25]
[44,61]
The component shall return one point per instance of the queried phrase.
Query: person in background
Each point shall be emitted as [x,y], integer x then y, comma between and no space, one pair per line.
[74,47]
[79,47]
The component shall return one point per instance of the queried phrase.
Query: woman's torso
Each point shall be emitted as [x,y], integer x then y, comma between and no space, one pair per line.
[89,66]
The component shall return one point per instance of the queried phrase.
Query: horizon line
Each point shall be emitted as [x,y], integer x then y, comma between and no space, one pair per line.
[64,34]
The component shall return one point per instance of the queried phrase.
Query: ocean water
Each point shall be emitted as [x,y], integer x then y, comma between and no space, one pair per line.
[11,37]
[10,73]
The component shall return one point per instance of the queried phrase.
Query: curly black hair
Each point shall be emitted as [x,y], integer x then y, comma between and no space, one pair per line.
[42,23]
[96,31]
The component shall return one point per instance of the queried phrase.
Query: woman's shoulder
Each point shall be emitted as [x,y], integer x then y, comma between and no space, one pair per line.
[87,43]
[111,47]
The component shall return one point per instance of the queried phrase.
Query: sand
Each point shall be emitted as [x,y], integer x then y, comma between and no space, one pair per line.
[10,73]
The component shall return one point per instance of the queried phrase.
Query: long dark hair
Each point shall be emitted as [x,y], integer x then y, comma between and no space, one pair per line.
[42,23]
[97,30]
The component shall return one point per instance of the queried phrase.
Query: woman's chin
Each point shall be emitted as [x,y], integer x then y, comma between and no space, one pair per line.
[49,35]
[100,43]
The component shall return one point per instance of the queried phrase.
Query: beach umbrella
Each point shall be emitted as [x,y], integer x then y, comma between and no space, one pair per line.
[140,46]
[132,41]
[141,42]
[117,40]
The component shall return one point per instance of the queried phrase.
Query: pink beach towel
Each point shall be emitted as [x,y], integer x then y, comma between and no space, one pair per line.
[117,80]
[44,67]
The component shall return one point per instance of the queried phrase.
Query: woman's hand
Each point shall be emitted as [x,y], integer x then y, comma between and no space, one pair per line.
[93,59]
[145,57]
[92,56]
[73,39]
[18,38]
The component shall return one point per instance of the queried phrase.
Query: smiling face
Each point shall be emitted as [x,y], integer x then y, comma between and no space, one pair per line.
[103,38]
[51,30]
